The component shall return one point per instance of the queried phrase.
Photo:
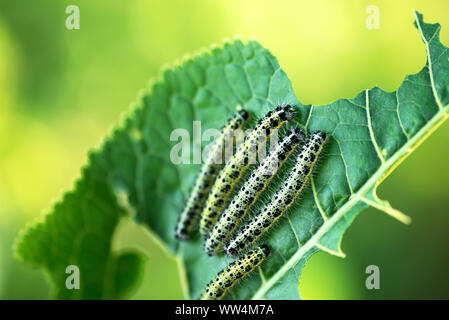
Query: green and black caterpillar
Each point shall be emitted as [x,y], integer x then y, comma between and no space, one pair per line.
[233,171]
[236,270]
[251,190]
[290,190]
[214,187]
[207,176]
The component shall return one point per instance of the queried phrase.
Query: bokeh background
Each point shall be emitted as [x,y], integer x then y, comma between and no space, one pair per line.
[61,90]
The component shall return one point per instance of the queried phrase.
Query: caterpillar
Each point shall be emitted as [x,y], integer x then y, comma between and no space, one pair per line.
[237,165]
[228,277]
[251,190]
[283,198]
[206,176]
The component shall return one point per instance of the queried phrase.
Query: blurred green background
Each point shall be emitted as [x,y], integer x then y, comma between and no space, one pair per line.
[61,90]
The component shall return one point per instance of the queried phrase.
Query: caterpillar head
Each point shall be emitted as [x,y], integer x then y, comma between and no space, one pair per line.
[244,114]
[287,112]
[208,247]
[181,233]
[265,249]
[321,135]
[298,135]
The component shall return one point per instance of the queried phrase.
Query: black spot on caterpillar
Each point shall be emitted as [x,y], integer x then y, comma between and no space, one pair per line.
[284,197]
[234,169]
[240,268]
[251,190]
[207,176]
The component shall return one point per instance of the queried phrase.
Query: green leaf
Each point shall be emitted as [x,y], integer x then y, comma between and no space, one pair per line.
[131,174]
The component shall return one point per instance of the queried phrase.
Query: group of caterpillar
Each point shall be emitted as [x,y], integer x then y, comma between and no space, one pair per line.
[211,193]
[285,196]
[252,189]
[233,171]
